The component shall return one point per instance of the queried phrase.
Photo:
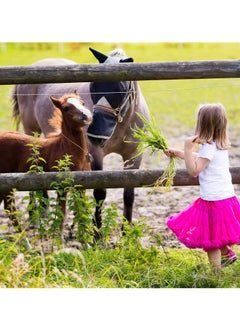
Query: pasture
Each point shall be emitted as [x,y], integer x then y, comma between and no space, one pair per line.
[173,104]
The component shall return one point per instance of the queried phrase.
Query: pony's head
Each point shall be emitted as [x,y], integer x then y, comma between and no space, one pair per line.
[70,107]
[111,99]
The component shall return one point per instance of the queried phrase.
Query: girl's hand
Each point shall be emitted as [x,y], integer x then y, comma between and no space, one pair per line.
[176,152]
[168,152]
[190,141]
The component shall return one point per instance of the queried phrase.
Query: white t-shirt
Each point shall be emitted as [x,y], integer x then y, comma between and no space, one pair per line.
[215,180]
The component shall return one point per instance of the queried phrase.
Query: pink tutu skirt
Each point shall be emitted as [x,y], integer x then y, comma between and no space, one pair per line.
[208,224]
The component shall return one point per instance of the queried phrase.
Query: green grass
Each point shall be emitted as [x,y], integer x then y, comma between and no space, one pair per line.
[173,104]
[128,265]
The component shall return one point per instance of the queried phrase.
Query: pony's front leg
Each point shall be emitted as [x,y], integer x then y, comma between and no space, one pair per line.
[99,196]
[63,206]
[128,193]
[10,208]
[128,198]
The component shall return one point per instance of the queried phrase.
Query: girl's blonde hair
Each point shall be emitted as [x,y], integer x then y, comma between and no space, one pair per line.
[212,125]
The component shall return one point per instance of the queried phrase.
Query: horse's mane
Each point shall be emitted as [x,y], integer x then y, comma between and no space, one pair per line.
[56,123]
[115,55]
[118,52]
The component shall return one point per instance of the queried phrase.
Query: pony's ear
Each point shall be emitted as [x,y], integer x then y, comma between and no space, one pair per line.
[99,56]
[55,102]
[76,92]
[126,60]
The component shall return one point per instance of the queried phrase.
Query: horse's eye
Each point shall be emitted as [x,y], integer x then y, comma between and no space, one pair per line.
[66,108]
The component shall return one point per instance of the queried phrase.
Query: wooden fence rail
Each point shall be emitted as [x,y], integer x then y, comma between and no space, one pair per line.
[120,72]
[99,179]
[114,72]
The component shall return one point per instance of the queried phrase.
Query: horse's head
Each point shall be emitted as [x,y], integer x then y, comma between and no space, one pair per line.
[111,100]
[72,109]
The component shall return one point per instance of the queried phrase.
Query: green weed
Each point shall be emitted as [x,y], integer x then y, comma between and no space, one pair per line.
[151,137]
[127,265]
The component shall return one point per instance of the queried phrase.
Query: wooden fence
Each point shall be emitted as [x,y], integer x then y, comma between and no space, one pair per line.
[120,72]
[114,72]
[99,179]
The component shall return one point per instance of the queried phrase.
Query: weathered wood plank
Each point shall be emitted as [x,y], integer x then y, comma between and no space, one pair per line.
[100,179]
[123,71]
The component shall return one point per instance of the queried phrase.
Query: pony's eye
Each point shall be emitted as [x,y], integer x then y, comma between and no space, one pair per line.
[66,108]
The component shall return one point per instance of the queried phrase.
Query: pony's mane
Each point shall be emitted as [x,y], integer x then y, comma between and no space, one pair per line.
[118,52]
[56,123]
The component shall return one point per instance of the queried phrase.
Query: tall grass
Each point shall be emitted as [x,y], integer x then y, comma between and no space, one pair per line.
[127,265]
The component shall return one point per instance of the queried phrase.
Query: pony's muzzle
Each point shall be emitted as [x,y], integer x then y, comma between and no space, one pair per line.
[102,127]
[83,118]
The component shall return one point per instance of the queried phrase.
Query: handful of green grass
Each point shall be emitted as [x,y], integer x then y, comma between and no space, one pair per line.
[150,137]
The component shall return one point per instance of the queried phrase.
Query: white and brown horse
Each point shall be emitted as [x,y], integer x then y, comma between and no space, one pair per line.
[115,107]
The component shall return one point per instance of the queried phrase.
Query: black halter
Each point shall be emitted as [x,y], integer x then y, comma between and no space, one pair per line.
[106,118]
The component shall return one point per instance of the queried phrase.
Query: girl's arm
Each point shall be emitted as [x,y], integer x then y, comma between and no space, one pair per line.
[194,164]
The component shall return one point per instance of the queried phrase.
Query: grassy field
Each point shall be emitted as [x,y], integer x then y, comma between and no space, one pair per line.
[173,104]
[127,265]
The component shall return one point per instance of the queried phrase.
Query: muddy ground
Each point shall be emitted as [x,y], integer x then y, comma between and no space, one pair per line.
[155,206]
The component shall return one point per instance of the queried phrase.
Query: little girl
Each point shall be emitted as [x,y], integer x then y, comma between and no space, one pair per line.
[212,222]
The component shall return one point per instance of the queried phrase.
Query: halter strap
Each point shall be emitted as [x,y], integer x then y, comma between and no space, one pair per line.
[117,111]
[88,155]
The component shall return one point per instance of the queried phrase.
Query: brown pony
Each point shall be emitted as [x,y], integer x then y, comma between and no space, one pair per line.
[72,116]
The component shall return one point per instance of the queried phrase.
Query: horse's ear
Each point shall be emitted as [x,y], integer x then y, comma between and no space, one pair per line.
[99,56]
[55,102]
[76,92]
[126,60]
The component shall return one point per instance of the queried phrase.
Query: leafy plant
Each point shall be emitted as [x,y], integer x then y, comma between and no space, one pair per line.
[35,158]
[151,137]
[77,201]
